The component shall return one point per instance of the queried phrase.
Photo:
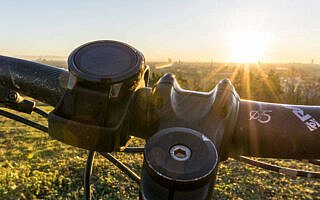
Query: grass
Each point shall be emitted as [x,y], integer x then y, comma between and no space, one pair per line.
[33,166]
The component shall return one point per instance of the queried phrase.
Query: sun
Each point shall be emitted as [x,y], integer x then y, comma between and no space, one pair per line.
[247,46]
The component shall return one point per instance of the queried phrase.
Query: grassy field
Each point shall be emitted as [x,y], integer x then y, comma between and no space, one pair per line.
[33,166]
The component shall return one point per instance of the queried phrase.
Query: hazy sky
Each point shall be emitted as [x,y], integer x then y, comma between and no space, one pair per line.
[186,30]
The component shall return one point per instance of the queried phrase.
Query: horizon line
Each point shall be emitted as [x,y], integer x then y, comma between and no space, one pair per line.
[64,58]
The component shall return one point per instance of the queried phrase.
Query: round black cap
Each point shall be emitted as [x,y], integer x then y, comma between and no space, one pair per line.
[105,60]
[193,167]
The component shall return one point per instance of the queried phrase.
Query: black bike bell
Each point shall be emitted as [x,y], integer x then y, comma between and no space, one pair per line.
[180,158]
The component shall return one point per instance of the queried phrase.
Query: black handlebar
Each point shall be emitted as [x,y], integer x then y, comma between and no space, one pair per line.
[262,130]
[42,82]
[277,130]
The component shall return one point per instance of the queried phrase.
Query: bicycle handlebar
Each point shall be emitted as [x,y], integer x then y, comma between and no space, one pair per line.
[277,130]
[262,130]
[39,81]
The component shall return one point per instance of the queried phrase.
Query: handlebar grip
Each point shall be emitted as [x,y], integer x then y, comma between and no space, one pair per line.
[277,130]
[40,81]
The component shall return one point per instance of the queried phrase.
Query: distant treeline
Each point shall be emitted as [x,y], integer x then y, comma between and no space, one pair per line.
[271,83]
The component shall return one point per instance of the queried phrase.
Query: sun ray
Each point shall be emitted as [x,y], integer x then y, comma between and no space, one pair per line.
[234,73]
[269,84]
[247,81]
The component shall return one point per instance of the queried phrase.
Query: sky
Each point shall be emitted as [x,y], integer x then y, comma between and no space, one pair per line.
[208,30]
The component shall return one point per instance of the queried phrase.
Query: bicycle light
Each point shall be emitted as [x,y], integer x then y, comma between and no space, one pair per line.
[103,76]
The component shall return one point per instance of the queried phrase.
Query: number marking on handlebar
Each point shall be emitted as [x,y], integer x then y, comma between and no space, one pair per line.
[261,116]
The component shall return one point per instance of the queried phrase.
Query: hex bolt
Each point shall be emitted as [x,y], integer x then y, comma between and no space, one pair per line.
[180,152]
[12,96]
